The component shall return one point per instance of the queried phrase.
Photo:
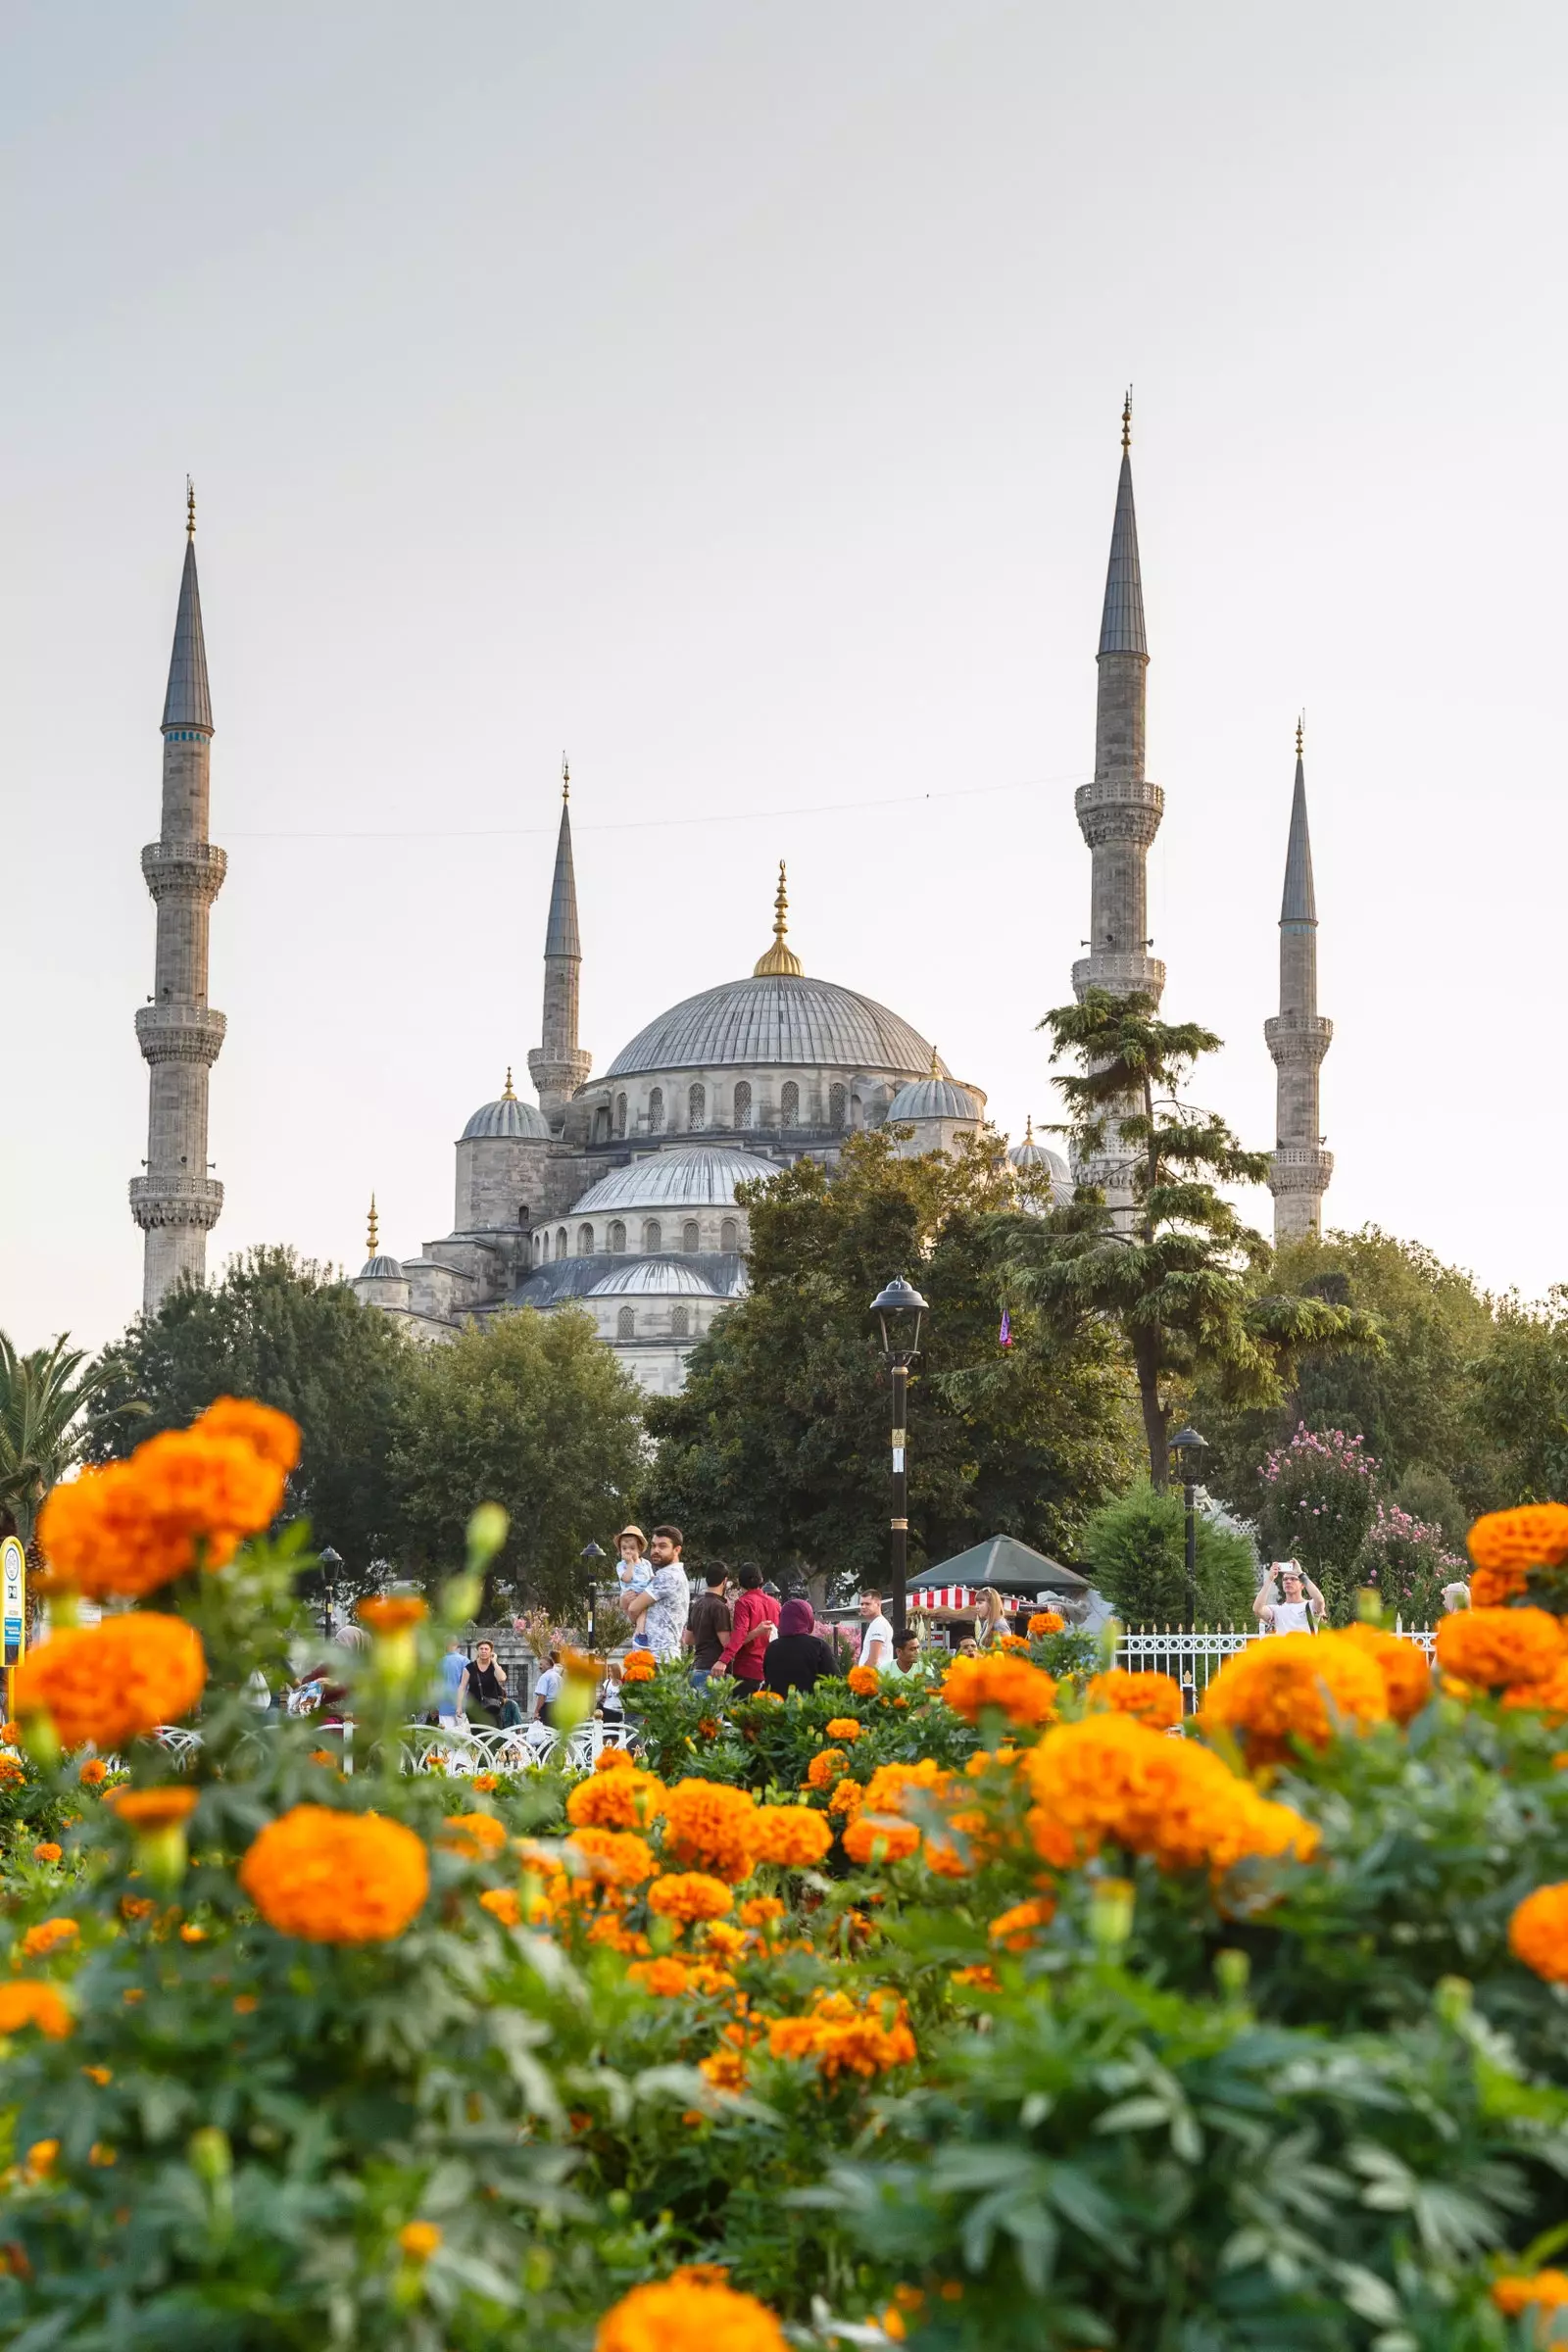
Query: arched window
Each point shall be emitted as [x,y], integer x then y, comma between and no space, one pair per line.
[697,1108]
[539,1241]
[523,1212]
[585,1241]
[621,1114]
[689,1239]
[729,1235]
[601,1123]
[652,1235]
[616,1238]
[626,1323]
[856,1115]
[656,1111]
[789,1103]
[679,1323]
[561,1242]
[743,1105]
[838,1099]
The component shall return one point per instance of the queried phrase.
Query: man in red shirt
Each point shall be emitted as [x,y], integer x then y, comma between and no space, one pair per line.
[756,1623]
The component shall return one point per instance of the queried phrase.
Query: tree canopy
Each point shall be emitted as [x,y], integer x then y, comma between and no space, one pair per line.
[777,1448]
[1136,1546]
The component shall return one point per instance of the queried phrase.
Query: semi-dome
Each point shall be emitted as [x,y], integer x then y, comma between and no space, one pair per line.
[776,1019]
[932,1097]
[655,1277]
[380,1267]
[703,1176]
[506,1116]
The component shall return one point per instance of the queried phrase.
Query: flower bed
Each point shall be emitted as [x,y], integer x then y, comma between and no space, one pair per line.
[1013,2013]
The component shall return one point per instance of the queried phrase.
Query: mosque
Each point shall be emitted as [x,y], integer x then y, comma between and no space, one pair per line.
[618,1195]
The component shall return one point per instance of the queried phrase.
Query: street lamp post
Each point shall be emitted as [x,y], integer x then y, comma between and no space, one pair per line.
[331,1562]
[898,1309]
[1189,1448]
[591,1553]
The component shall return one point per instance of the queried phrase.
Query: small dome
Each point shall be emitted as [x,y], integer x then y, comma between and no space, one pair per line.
[507,1117]
[380,1268]
[655,1277]
[703,1176]
[931,1097]
[1030,1154]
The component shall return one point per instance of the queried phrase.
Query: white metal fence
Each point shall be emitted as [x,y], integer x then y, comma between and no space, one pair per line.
[1194,1660]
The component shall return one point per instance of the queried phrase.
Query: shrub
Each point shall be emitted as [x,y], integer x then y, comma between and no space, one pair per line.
[1136,1546]
[1319,1496]
[1411,1563]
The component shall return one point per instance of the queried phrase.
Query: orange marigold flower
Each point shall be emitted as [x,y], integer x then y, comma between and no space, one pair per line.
[191,1933]
[688,2315]
[761,1911]
[1015,1929]
[485,1783]
[689,1894]
[617,1855]
[1110,1778]
[47,1851]
[1295,1686]
[724,2070]
[845,1727]
[1538,1933]
[152,1809]
[880,1837]
[245,2004]
[49,1935]
[864,1680]
[885,1789]
[10,1735]
[419,2240]
[623,1800]
[268,1432]
[666,1978]
[1044,1622]
[825,1766]
[1497,1647]
[30,2004]
[93,1773]
[103,2075]
[841,2038]
[639,1666]
[387,1613]
[1154,1698]
[130,1526]
[614,1759]
[1494,1588]
[1548,2291]
[847,1797]
[1024,1693]
[476,1836]
[137,1907]
[503,1903]
[336,1878]
[10,1771]
[1534,1535]
[1548,1698]
[978,1979]
[791,1834]
[41,2157]
[711,1827]
[1406,1676]
[111,1682]
[722,1937]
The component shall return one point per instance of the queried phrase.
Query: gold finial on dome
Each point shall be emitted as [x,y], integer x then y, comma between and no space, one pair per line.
[372,1230]
[565,778]
[506,1095]
[936,1064]
[1127,420]
[1028,1126]
[1301,733]
[190,507]
[779,957]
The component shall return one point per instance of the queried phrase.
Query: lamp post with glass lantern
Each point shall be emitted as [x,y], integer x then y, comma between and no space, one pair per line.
[591,1553]
[1189,1448]
[898,1309]
[331,1561]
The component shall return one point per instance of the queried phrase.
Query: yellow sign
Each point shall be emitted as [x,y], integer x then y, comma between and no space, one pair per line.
[13,1598]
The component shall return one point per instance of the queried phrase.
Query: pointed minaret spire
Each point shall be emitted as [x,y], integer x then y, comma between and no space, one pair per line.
[176,1203]
[557,1065]
[1121,621]
[779,959]
[1298,1038]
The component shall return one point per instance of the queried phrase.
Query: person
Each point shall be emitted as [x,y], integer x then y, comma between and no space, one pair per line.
[799,1657]
[1303,1608]
[454,1682]
[610,1709]
[633,1570]
[487,1687]
[755,1621]
[906,1655]
[1456,1597]
[968,1647]
[991,1619]
[710,1623]
[660,1612]
[547,1690]
[876,1637]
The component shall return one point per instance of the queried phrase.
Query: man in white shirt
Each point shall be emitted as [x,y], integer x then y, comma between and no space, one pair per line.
[876,1643]
[548,1688]
[1303,1608]
[659,1615]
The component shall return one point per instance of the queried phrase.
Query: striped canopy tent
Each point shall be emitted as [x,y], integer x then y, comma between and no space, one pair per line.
[1013,1569]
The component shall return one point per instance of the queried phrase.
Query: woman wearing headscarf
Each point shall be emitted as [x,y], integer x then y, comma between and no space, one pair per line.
[799,1657]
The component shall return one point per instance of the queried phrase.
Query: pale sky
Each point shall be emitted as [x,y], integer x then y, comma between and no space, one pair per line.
[728,393]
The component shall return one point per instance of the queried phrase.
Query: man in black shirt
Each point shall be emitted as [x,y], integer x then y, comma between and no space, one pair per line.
[707,1627]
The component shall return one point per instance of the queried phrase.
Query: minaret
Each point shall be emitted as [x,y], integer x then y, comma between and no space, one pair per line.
[176,1203]
[557,1065]
[1298,1037]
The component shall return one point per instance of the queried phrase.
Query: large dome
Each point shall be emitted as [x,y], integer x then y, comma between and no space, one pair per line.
[776,1019]
[702,1177]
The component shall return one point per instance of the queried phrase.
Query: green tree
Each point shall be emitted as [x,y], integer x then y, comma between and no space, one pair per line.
[530,1411]
[48,1423]
[1519,1394]
[1174,1273]
[1320,1496]
[777,1448]
[291,1334]
[1136,1546]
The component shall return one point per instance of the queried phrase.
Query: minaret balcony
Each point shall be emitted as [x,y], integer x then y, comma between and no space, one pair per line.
[1300,1037]
[195,868]
[1119,808]
[169,1200]
[181,1032]
[1120,975]
[1299,1169]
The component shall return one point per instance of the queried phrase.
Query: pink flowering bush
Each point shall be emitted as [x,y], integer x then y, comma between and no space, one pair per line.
[1411,1562]
[1319,1502]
